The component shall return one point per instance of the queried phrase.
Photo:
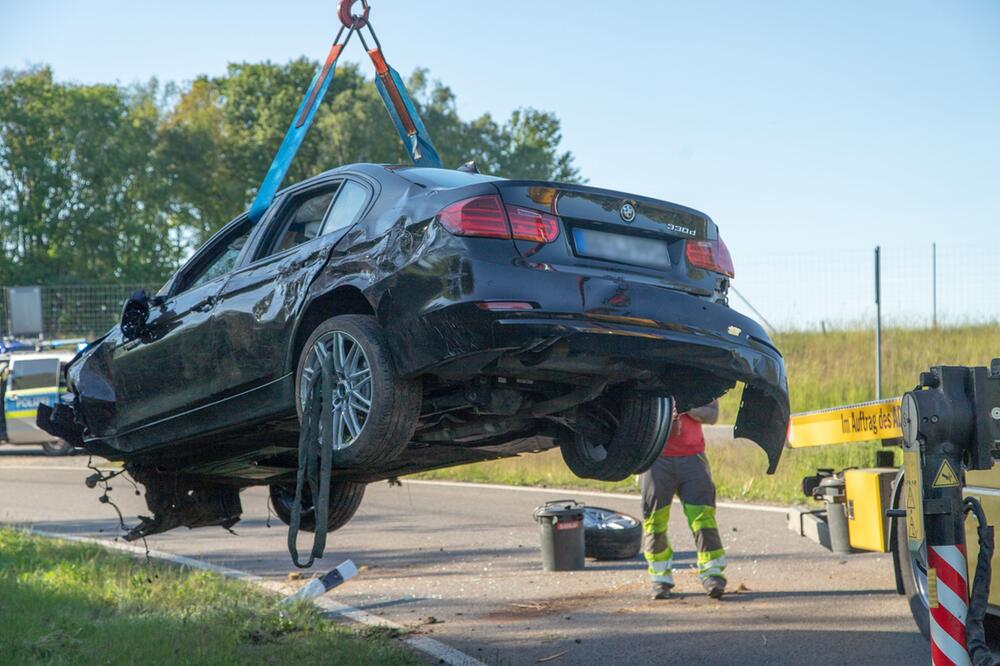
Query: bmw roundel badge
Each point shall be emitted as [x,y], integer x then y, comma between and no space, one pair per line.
[627,212]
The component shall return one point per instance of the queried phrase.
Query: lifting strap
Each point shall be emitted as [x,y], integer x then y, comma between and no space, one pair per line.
[315,463]
[390,86]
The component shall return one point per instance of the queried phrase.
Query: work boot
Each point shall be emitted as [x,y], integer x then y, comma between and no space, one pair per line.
[662,591]
[715,586]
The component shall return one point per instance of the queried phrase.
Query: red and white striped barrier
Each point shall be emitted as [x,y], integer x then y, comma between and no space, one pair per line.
[948,597]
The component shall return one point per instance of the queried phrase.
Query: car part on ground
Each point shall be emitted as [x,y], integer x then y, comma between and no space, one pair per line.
[610,535]
[345,498]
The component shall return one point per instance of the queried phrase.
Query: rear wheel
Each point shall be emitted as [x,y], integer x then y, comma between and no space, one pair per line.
[374,411]
[345,498]
[626,433]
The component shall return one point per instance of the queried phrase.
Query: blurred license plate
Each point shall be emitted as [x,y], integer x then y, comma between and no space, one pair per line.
[616,247]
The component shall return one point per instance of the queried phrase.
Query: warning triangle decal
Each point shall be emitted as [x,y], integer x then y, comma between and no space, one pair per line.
[945,477]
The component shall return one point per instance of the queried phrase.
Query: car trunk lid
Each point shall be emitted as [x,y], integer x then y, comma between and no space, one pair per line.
[602,230]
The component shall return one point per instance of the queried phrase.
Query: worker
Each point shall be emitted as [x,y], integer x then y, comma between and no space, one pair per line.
[683,469]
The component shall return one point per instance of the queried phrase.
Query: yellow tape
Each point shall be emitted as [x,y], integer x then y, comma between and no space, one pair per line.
[842,425]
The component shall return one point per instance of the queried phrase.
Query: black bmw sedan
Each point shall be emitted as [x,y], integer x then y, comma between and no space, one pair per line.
[466,318]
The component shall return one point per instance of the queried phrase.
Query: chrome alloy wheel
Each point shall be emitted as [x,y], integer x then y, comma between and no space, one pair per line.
[918,566]
[351,384]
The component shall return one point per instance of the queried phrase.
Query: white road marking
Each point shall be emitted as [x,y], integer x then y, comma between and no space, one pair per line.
[444,654]
[586,493]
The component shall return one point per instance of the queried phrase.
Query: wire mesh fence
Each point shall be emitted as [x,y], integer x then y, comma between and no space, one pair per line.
[77,310]
[952,285]
[922,286]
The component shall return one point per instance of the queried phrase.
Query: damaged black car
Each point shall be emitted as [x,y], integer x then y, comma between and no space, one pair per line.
[465,318]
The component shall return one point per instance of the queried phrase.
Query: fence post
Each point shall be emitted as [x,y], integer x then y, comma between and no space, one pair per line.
[878,322]
[934,283]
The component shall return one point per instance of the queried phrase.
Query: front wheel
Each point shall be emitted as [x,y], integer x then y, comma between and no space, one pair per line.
[345,498]
[625,433]
[57,448]
[374,411]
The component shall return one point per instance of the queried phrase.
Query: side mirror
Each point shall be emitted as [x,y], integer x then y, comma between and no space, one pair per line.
[135,314]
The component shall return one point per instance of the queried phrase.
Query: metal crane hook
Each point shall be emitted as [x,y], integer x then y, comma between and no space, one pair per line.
[350,19]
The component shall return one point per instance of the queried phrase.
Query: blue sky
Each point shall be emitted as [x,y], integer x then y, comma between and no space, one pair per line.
[800,127]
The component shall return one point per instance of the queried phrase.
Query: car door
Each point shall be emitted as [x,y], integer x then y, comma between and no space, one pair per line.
[172,370]
[259,304]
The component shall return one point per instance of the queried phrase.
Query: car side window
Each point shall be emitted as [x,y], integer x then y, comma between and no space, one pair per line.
[221,259]
[304,221]
[350,200]
[34,374]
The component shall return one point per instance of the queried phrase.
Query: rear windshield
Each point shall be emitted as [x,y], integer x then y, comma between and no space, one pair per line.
[442,177]
[34,374]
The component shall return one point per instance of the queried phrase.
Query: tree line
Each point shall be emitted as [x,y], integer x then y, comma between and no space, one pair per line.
[116,184]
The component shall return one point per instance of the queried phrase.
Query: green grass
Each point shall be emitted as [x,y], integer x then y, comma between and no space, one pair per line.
[825,369]
[737,468]
[65,603]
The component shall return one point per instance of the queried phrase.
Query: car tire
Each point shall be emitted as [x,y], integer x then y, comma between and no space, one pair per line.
[913,571]
[610,535]
[57,448]
[345,498]
[393,403]
[638,427]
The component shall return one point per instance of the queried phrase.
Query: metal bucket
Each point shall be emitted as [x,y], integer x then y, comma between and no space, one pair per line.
[560,523]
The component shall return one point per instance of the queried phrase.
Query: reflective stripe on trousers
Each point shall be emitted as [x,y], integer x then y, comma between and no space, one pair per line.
[690,478]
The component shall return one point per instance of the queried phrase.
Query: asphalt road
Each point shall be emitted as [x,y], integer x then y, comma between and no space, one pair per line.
[462,564]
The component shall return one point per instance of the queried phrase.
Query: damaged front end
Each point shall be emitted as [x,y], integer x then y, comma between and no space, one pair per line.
[174,500]
[177,501]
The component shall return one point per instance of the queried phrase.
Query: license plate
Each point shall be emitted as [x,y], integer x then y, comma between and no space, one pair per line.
[636,250]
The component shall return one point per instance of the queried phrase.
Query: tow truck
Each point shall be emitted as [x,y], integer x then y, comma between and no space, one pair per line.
[949,430]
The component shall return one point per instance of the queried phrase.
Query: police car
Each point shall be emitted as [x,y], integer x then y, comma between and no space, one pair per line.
[27,379]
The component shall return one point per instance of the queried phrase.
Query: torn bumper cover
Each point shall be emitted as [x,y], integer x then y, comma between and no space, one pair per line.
[696,359]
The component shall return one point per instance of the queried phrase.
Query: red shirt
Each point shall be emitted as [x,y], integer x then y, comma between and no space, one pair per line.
[688,442]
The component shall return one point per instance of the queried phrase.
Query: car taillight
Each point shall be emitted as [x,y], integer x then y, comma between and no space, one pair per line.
[479,216]
[486,217]
[711,255]
[532,225]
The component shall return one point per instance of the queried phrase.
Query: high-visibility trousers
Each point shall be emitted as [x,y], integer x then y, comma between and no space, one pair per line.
[688,477]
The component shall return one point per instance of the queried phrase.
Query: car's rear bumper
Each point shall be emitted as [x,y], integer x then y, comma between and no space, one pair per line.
[693,349]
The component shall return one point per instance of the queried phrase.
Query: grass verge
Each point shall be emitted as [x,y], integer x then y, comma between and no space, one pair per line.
[738,469]
[73,603]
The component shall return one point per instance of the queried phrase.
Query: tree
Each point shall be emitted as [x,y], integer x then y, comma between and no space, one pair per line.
[80,196]
[103,183]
